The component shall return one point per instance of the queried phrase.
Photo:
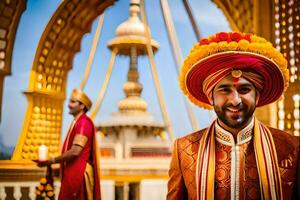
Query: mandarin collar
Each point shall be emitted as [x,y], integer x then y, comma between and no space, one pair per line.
[226,137]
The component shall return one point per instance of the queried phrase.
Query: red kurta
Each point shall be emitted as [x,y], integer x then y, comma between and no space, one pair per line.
[72,172]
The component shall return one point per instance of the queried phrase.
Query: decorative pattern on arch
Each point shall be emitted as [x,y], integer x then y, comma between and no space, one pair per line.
[250,16]
[239,13]
[47,84]
[10,14]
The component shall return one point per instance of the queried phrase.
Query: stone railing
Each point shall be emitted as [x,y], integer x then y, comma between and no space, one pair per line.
[23,189]
[26,190]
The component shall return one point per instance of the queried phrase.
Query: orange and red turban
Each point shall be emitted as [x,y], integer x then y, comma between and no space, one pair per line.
[217,56]
[80,96]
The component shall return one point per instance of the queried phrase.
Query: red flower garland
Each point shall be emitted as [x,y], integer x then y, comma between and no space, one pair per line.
[247,37]
[236,36]
[204,41]
[228,37]
[222,36]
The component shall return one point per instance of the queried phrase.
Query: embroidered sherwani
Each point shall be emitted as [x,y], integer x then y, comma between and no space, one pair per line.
[236,172]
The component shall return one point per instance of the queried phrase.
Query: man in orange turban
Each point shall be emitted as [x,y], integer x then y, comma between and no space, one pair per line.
[79,166]
[237,157]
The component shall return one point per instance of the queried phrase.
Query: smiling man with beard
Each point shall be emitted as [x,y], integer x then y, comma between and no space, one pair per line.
[236,157]
[234,104]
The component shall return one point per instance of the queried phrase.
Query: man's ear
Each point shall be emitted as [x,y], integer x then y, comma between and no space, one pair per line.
[257,96]
[82,106]
[210,98]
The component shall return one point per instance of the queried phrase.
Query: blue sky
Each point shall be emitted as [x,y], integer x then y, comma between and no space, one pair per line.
[36,16]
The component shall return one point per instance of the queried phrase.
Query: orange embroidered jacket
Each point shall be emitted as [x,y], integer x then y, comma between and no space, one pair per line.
[182,172]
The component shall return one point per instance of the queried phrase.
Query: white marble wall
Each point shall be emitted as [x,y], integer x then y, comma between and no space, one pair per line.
[107,190]
[153,189]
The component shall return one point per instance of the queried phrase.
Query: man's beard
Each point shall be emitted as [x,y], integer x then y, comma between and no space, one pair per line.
[73,111]
[235,121]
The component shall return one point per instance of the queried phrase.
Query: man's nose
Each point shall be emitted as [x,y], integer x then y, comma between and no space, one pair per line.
[235,98]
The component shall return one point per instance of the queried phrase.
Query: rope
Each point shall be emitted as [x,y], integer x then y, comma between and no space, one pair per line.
[192,19]
[99,101]
[92,52]
[172,33]
[155,75]
[177,54]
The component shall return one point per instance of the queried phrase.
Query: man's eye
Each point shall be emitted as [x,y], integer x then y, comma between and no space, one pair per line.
[244,90]
[224,90]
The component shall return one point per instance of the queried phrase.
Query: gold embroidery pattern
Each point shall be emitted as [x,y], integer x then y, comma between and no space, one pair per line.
[246,135]
[80,140]
[288,162]
[222,136]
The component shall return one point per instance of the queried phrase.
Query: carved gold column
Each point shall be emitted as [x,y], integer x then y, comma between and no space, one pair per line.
[287,40]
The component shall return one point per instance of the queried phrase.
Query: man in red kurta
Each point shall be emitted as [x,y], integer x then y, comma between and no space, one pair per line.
[79,165]
[237,156]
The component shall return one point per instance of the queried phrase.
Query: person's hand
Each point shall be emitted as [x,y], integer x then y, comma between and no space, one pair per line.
[42,163]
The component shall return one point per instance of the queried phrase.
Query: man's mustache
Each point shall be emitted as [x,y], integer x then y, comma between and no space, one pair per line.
[240,106]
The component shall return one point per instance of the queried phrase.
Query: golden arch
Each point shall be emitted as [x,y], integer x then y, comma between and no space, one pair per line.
[10,14]
[47,84]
